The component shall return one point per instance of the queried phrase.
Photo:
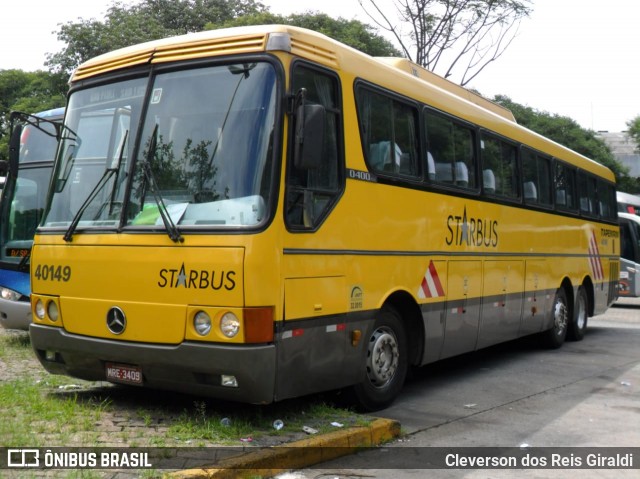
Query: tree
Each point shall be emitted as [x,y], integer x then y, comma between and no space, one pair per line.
[147,20]
[350,32]
[451,37]
[567,132]
[126,25]
[634,131]
[30,92]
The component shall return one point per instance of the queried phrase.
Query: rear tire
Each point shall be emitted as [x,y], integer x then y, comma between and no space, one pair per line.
[386,363]
[578,325]
[554,338]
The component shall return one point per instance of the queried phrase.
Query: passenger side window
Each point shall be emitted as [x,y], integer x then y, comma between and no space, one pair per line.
[451,158]
[388,128]
[607,203]
[588,194]
[565,183]
[313,190]
[536,180]
[499,167]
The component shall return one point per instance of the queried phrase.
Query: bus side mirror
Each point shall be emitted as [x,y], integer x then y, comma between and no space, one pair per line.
[4,167]
[309,136]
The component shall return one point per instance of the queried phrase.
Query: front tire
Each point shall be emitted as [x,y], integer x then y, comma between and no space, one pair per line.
[578,325]
[554,338]
[386,363]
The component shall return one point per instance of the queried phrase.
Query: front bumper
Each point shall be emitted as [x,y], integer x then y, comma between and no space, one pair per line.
[190,367]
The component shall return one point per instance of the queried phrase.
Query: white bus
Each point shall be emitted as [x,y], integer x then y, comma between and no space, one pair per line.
[629,286]
[628,203]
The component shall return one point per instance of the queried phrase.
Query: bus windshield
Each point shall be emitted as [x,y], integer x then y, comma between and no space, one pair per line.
[201,155]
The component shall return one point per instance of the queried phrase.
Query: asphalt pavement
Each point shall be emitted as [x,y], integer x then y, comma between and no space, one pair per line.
[577,401]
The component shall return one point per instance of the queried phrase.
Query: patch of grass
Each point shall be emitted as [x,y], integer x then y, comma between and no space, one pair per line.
[31,416]
[15,345]
[42,410]
[199,427]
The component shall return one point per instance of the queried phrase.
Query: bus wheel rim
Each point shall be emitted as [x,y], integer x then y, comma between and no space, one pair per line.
[560,317]
[383,357]
[582,313]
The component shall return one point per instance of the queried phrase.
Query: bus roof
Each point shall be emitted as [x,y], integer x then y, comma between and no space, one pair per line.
[55,112]
[414,81]
[421,72]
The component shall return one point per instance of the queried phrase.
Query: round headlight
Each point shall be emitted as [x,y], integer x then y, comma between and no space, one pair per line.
[9,294]
[40,311]
[202,323]
[229,325]
[52,310]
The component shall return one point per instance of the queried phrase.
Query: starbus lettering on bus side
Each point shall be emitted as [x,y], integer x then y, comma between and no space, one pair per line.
[471,231]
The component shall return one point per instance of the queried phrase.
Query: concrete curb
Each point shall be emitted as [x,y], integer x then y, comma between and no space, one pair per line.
[268,462]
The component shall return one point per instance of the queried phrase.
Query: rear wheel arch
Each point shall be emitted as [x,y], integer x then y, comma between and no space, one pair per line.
[567,286]
[411,316]
[589,288]
[391,347]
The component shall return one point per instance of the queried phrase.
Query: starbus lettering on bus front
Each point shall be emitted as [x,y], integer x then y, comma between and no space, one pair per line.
[196,278]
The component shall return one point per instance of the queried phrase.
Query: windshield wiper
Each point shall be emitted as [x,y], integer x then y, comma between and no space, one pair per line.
[169,225]
[108,173]
[106,176]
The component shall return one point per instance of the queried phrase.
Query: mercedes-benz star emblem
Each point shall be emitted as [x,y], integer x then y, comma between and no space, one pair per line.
[116,320]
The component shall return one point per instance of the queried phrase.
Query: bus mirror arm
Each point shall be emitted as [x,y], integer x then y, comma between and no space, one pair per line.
[18,120]
[14,151]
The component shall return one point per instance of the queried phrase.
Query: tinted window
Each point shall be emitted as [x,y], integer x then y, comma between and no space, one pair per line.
[588,194]
[565,183]
[606,200]
[311,192]
[499,167]
[389,133]
[451,158]
[536,178]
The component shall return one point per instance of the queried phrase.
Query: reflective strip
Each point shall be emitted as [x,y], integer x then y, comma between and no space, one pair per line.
[594,258]
[336,327]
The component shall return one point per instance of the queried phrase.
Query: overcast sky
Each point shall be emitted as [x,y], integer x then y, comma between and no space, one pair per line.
[575,58]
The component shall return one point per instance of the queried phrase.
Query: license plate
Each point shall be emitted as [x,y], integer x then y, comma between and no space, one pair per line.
[123,373]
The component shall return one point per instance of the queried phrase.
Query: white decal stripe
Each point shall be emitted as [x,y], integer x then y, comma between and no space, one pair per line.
[432,285]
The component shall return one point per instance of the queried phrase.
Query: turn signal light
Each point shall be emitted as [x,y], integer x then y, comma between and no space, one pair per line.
[258,325]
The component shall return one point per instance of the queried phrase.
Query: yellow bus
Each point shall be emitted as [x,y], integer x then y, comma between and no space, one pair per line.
[261,213]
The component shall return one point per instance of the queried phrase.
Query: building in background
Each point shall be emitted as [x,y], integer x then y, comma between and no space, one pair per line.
[624,149]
